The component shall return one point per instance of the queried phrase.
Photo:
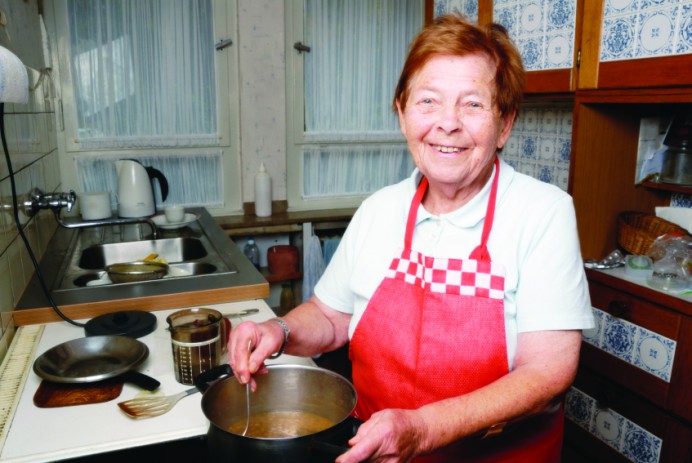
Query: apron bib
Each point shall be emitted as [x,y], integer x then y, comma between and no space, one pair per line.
[435,329]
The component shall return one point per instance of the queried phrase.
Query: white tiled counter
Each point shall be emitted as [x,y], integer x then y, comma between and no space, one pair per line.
[51,434]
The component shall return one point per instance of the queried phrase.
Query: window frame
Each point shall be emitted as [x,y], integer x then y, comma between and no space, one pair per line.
[227,107]
[295,120]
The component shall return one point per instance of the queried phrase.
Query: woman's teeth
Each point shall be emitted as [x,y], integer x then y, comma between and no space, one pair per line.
[447,149]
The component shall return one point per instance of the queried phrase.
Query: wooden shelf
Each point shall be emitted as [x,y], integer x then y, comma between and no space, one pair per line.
[668,187]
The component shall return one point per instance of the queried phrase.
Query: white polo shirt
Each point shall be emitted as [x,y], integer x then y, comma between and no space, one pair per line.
[534,236]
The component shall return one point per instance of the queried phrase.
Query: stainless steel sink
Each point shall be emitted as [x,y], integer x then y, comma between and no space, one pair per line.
[172,250]
[189,253]
[202,260]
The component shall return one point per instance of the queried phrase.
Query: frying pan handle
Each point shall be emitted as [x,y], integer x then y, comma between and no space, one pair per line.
[141,380]
[204,380]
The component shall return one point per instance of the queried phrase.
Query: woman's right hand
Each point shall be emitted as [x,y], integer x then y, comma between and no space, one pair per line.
[263,339]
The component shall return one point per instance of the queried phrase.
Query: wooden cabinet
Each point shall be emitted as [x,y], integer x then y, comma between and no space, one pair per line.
[602,182]
[652,321]
[630,399]
[657,65]
[605,141]
[609,44]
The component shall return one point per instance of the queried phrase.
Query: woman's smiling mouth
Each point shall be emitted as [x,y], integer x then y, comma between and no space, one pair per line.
[446,149]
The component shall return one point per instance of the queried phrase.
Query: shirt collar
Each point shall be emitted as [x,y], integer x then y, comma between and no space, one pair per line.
[473,212]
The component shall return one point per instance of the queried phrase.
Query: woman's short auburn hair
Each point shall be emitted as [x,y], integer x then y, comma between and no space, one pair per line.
[453,35]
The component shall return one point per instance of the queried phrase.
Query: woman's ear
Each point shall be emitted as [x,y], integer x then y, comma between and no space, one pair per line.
[507,122]
[402,125]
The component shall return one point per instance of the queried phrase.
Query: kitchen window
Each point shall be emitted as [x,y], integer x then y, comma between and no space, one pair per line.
[343,138]
[147,80]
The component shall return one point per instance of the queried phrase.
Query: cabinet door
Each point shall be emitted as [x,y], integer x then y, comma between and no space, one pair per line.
[635,43]
[545,32]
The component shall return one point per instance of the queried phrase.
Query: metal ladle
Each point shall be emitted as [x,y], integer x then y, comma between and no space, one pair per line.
[247,395]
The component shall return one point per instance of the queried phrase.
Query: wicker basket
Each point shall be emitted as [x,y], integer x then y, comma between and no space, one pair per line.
[637,231]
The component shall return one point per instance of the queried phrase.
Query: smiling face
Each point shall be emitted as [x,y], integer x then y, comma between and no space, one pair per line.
[453,128]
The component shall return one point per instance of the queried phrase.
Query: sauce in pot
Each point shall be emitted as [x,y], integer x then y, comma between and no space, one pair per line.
[281,424]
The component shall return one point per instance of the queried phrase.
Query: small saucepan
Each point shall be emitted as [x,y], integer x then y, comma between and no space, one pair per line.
[298,414]
[129,272]
[95,358]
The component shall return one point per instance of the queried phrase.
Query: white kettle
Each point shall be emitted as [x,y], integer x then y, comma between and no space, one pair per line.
[136,189]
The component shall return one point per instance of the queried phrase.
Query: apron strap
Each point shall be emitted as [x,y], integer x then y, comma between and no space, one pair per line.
[413,212]
[481,252]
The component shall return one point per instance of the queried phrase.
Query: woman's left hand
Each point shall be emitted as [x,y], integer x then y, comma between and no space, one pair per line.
[390,435]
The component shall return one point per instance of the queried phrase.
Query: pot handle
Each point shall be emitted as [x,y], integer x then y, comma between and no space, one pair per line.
[141,380]
[204,380]
[334,450]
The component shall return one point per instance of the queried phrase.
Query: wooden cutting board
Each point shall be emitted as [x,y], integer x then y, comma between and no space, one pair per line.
[50,394]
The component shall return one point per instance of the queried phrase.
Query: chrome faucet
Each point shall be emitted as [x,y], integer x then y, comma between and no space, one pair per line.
[57,201]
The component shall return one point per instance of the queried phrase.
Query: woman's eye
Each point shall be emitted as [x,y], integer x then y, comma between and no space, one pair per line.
[427,101]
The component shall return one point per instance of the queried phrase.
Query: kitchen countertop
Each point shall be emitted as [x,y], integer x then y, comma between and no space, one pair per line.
[88,302]
[51,434]
[679,301]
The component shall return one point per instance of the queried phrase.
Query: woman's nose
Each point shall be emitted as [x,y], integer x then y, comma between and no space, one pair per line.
[450,119]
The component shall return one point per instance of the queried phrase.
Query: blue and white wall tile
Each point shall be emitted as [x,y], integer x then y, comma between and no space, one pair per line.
[542,29]
[618,432]
[638,346]
[540,143]
[468,8]
[681,200]
[645,28]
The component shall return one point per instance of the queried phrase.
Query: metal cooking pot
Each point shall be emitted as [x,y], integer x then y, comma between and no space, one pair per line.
[95,358]
[284,388]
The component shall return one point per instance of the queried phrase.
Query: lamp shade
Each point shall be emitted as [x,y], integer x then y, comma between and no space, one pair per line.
[14,80]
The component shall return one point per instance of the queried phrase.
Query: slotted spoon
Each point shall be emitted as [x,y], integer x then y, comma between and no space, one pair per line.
[147,407]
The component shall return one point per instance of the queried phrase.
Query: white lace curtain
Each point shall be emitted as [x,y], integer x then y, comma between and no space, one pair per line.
[143,73]
[195,179]
[357,51]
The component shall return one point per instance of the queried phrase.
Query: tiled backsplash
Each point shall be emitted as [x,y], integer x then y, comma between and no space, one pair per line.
[32,143]
[541,141]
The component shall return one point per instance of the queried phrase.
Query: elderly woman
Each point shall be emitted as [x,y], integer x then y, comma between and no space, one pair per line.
[461,289]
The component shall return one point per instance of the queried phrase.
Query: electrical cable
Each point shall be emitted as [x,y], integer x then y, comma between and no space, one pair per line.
[20,229]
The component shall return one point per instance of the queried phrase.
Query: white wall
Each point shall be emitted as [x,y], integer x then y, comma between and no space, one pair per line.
[262,93]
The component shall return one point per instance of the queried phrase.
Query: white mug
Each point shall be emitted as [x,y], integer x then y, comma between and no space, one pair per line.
[174,214]
[95,205]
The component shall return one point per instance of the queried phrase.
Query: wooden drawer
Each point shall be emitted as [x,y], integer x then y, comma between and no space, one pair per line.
[621,305]
[635,412]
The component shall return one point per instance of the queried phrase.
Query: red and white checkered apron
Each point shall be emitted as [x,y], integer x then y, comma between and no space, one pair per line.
[434,329]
